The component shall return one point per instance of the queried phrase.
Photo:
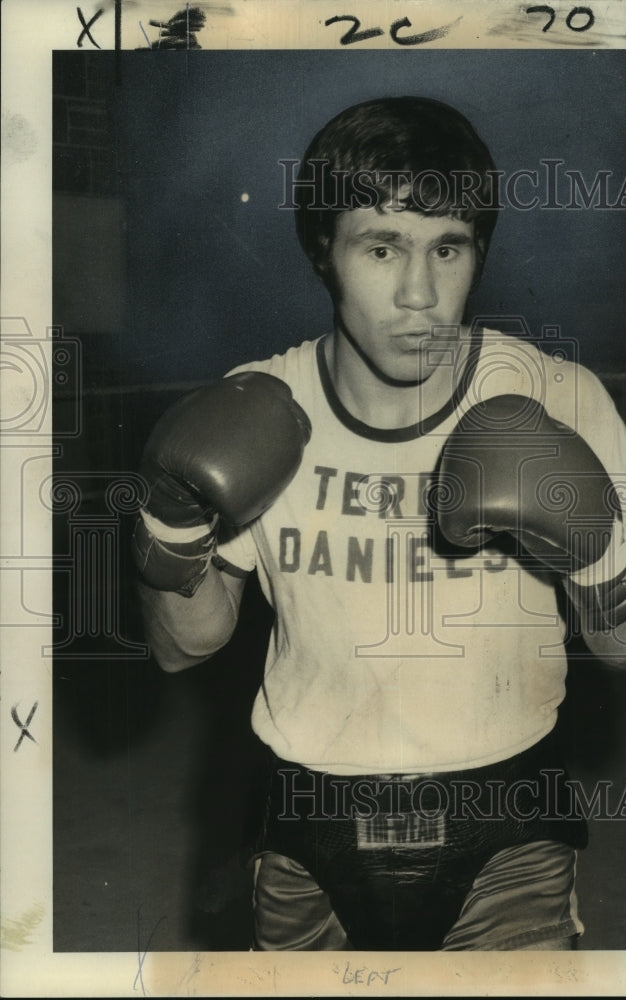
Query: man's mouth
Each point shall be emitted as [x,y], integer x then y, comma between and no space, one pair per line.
[411,339]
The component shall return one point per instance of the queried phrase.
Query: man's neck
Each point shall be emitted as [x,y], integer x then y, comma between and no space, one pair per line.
[386,405]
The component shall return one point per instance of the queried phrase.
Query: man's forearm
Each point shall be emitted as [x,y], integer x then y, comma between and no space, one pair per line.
[609,646]
[604,638]
[184,631]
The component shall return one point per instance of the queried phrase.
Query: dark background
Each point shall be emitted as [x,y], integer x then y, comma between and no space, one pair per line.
[166,278]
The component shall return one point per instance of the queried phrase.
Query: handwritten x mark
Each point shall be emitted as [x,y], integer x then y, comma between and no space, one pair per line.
[23,726]
[86,27]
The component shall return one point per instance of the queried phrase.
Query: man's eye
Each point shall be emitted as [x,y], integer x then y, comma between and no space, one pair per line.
[446,252]
[380,253]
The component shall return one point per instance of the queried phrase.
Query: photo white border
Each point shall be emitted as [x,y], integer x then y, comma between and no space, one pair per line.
[32,29]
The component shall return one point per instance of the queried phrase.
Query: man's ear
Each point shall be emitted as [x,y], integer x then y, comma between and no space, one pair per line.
[322,265]
[322,254]
[480,245]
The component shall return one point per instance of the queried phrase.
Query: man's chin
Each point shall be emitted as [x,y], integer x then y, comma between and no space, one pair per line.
[404,369]
[413,370]
[406,376]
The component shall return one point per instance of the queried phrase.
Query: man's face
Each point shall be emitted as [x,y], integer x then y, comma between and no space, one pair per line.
[397,274]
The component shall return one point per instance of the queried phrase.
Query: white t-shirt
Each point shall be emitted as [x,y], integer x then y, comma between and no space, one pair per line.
[386,656]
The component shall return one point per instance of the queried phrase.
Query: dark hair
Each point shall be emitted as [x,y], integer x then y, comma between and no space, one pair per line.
[360,157]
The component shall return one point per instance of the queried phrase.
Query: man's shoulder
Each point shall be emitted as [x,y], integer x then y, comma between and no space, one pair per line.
[538,361]
[294,363]
[545,369]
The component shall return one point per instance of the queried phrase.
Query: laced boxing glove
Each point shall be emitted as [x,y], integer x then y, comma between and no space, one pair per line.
[509,467]
[226,450]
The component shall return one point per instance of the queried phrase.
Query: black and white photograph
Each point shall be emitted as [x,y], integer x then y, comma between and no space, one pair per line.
[314,475]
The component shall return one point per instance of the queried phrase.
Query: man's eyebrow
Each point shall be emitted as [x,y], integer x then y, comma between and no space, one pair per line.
[382,236]
[453,237]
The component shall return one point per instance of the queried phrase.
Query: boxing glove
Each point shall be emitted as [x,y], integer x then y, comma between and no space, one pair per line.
[226,450]
[509,467]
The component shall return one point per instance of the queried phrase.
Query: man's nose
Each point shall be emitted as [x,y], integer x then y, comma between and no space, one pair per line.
[416,286]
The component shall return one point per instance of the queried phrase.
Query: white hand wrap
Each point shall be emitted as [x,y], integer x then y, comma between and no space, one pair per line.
[177,535]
